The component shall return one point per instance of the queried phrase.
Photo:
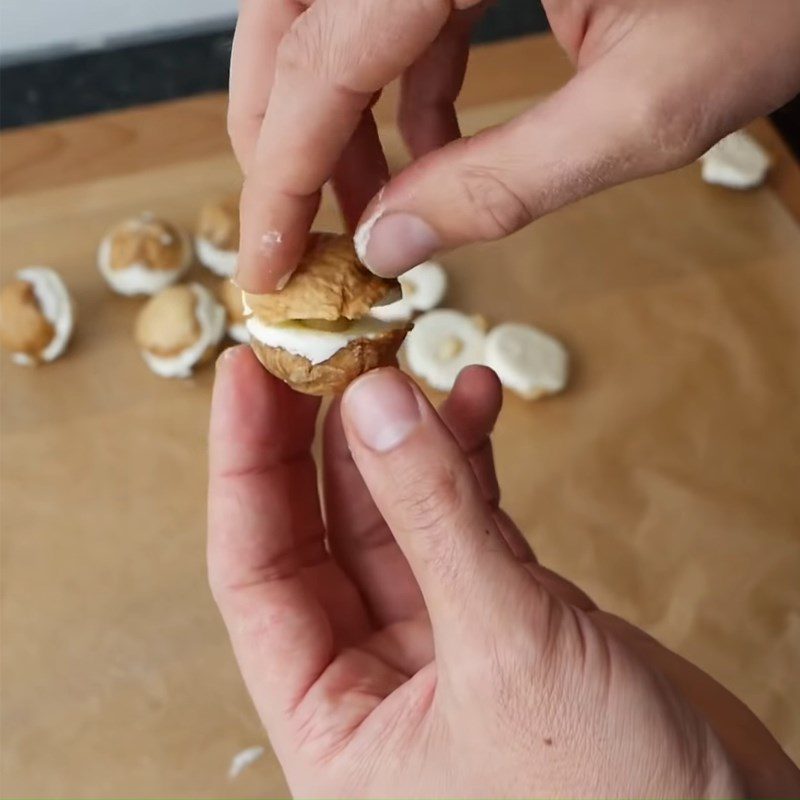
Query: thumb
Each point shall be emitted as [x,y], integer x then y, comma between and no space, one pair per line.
[426,491]
[599,130]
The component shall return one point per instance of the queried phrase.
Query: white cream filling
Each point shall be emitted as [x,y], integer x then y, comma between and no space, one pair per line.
[363,232]
[211,319]
[737,161]
[238,332]
[57,308]
[241,761]
[527,360]
[315,345]
[441,344]
[23,360]
[393,307]
[423,288]
[139,278]
[220,262]
[398,311]
[424,285]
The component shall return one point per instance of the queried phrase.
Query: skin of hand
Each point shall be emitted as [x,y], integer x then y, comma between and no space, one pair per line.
[656,83]
[410,644]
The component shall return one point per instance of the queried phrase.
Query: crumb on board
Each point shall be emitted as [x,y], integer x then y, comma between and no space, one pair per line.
[242,760]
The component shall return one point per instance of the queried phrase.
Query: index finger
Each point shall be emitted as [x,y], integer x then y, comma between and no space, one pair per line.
[265,526]
[260,26]
[329,64]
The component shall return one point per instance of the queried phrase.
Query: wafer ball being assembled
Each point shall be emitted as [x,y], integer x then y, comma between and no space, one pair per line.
[423,288]
[329,283]
[144,255]
[217,235]
[316,334]
[179,329]
[37,316]
[230,295]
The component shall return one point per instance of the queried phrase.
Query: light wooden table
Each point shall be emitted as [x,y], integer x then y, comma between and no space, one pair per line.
[664,481]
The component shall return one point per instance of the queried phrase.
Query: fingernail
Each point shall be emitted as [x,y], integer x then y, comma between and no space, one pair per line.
[396,242]
[283,280]
[264,284]
[382,408]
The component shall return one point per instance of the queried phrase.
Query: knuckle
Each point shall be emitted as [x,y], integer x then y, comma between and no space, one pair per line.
[521,683]
[511,688]
[494,206]
[432,498]
[431,502]
[316,45]
[302,47]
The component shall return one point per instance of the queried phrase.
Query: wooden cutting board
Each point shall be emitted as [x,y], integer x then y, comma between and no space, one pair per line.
[664,481]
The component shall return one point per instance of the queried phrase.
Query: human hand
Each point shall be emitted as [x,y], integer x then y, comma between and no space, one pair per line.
[424,651]
[656,84]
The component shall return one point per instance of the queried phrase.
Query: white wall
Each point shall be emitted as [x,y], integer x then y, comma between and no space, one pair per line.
[28,26]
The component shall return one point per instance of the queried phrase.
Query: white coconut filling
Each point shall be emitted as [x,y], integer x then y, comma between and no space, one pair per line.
[737,161]
[423,288]
[399,311]
[211,318]
[527,360]
[56,306]
[363,232]
[220,262]
[441,344]
[393,307]
[315,345]
[139,278]
[238,332]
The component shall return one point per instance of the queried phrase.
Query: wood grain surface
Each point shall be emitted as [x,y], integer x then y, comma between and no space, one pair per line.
[664,481]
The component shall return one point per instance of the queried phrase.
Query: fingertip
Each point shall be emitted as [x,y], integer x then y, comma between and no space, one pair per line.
[264,272]
[388,244]
[228,355]
[273,235]
[480,379]
[236,384]
[344,399]
[230,363]
[380,410]
[239,363]
[246,397]
[475,401]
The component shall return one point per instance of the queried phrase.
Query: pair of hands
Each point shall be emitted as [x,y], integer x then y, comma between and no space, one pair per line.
[656,83]
[406,642]
[399,638]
